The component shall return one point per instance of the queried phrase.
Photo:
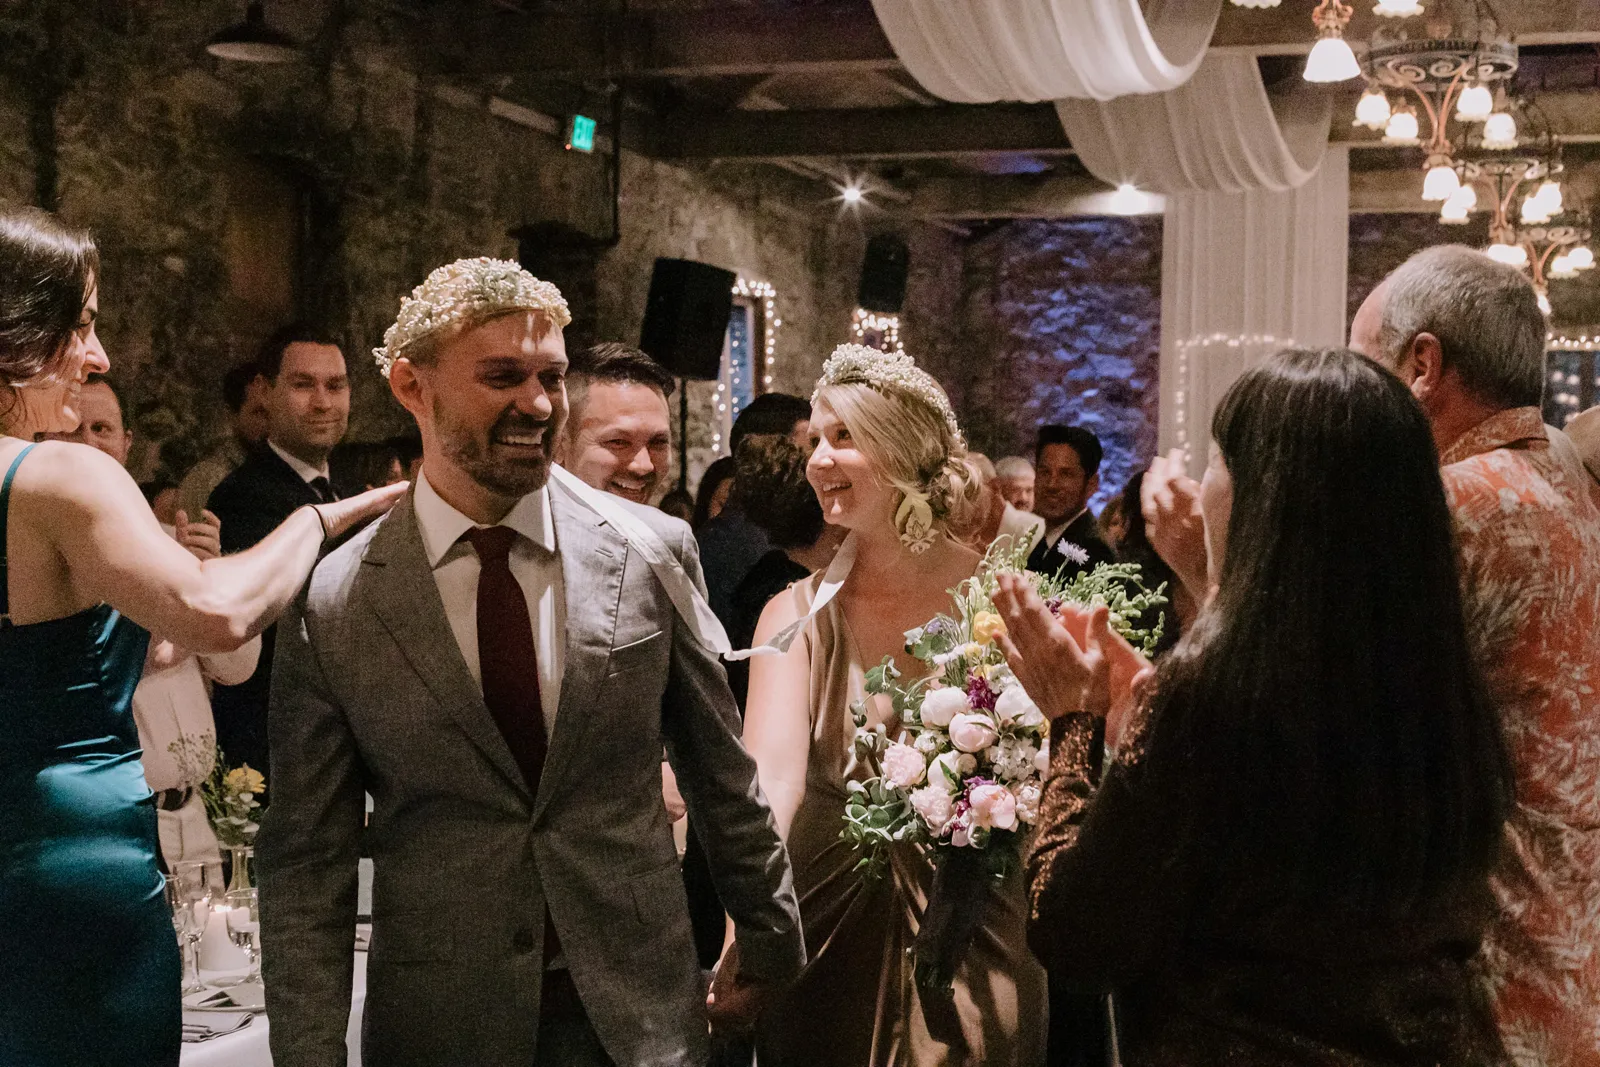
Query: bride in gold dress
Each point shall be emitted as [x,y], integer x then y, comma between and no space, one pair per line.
[888,467]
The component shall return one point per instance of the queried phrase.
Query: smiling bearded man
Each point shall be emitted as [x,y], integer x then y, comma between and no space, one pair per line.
[499,662]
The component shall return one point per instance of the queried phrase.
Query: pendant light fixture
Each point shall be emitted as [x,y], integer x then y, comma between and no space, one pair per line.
[254,41]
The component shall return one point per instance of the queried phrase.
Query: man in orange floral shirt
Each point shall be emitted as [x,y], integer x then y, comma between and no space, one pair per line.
[1466,334]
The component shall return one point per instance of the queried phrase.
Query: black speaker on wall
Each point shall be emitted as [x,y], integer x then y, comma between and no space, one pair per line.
[686,317]
[883,274]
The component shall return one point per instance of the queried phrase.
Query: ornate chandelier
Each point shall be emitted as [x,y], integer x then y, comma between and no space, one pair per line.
[1447,92]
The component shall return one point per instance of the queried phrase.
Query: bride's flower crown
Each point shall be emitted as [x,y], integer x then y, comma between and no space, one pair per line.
[464,290]
[860,365]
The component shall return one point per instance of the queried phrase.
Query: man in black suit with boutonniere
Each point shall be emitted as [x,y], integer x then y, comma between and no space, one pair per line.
[1067,459]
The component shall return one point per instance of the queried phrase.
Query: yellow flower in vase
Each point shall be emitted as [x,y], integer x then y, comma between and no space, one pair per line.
[245,779]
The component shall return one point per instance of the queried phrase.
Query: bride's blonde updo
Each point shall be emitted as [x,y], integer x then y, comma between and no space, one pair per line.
[901,420]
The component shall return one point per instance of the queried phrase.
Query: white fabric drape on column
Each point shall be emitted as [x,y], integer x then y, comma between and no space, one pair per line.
[980,51]
[1243,275]
[1221,132]
[1255,239]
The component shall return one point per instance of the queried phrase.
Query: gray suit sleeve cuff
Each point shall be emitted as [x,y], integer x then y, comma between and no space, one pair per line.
[771,956]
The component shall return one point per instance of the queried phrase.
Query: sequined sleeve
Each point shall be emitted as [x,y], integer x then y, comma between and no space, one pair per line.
[1105,882]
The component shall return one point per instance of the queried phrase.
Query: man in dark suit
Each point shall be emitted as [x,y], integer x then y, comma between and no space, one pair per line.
[1067,462]
[308,408]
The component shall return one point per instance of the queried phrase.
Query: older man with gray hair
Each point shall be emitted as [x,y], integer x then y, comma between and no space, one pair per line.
[1016,481]
[1465,334]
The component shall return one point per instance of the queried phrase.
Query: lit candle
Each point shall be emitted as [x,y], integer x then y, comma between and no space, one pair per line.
[217,950]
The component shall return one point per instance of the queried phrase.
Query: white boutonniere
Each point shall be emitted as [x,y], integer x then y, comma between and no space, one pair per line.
[1074,552]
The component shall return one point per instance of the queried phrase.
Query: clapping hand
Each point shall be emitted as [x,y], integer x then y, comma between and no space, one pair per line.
[1170,501]
[203,538]
[1061,673]
[1073,660]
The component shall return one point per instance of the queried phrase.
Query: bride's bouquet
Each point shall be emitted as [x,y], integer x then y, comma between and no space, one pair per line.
[964,770]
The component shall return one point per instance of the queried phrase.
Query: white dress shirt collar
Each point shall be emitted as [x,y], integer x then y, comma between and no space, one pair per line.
[305,470]
[442,525]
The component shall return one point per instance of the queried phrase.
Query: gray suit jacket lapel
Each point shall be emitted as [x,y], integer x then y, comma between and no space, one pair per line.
[592,559]
[405,597]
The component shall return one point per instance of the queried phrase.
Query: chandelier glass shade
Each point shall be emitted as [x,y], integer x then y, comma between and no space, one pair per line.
[1402,126]
[1513,255]
[1331,59]
[1441,180]
[1372,110]
[1500,131]
[1475,104]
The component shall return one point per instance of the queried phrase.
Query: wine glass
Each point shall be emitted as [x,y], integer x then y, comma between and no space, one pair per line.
[188,929]
[244,928]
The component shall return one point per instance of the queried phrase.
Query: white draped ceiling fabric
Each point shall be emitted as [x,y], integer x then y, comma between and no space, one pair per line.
[980,51]
[1255,239]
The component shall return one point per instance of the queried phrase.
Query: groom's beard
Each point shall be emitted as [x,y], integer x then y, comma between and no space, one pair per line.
[511,460]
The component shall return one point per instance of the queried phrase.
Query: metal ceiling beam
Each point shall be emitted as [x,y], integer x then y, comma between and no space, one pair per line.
[839,39]
[956,130]
[1396,191]
[882,133]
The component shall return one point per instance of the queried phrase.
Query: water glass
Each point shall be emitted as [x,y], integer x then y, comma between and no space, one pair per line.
[244,928]
[188,927]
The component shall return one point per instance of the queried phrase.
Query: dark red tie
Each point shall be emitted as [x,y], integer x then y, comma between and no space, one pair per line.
[510,667]
[506,653]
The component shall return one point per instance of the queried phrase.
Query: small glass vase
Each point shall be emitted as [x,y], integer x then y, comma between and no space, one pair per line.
[239,857]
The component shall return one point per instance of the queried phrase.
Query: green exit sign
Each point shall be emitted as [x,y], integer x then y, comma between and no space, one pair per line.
[580,133]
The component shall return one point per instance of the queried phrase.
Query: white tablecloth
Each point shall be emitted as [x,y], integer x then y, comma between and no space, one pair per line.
[248,1047]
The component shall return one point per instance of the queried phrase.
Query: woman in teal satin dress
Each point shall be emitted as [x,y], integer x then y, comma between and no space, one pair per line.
[89,969]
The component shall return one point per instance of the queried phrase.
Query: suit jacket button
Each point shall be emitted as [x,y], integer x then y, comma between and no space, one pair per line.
[522,940]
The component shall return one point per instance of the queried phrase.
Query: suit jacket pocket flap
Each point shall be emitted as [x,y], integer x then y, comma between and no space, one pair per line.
[657,895]
[405,940]
[635,654]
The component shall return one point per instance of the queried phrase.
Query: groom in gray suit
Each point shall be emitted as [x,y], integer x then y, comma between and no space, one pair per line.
[499,665]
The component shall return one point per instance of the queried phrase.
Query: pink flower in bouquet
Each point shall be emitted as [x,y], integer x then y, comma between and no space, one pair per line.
[904,766]
[1028,797]
[934,806]
[973,732]
[942,705]
[993,807]
[1015,708]
[949,769]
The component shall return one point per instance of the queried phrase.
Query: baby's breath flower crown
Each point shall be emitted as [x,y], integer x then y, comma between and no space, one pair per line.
[464,290]
[860,365]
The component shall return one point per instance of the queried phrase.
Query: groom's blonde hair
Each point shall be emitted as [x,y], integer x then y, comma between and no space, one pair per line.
[912,447]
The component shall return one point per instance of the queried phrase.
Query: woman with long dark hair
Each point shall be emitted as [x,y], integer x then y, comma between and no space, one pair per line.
[88,958]
[1285,859]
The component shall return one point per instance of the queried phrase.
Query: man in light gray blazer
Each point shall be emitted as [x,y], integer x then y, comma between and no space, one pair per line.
[527,906]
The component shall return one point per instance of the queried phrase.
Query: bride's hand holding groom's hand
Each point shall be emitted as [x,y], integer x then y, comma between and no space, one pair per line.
[734,1002]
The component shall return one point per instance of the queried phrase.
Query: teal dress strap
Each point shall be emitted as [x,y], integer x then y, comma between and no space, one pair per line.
[5,511]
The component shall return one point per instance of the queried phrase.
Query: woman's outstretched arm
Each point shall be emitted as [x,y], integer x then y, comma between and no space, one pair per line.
[93,514]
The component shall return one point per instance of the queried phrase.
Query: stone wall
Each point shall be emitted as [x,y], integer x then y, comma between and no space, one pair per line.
[1053,321]
[400,173]
[1040,321]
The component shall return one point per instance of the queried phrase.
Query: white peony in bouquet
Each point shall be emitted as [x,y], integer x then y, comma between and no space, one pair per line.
[964,769]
